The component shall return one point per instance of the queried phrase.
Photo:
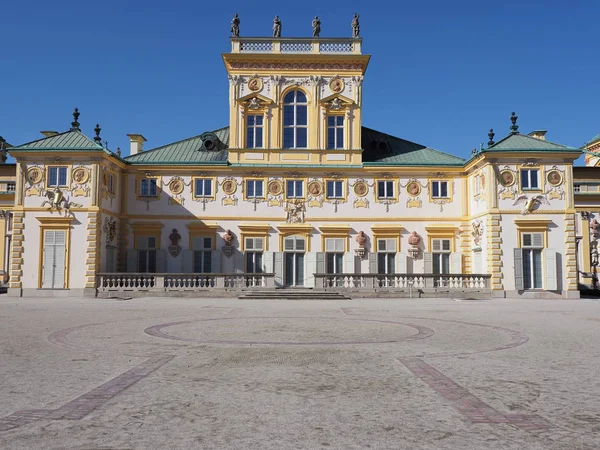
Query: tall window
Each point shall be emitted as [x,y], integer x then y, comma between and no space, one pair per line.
[294,189]
[148,187]
[295,120]
[335,189]
[57,176]
[254,131]
[441,249]
[385,189]
[529,179]
[147,254]
[439,189]
[203,187]
[202,254]
[334,255]
[254,189]
[335,132]
[386,256]
[254,255]
[532,244]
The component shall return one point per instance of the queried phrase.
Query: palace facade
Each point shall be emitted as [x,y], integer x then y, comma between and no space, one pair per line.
[294,192]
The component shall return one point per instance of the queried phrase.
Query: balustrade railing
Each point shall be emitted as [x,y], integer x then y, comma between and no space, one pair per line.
[168,282]
[296,45]
[366,282]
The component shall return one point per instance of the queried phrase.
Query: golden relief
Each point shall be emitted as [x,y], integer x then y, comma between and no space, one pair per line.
[413,188]
[176,186]
[229,187]
[336,85]
[275,187]
[315,188]
[507,178]
[554,177]
[81,175]
[35,175]
[255,84]
[361,188]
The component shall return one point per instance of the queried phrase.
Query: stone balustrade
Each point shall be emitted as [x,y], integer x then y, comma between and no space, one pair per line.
[324,46]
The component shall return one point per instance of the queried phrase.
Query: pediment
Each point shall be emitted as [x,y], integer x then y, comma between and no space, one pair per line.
[255,101]
[336,102]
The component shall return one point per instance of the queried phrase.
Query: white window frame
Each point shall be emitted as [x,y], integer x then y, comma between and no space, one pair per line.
[151,187]
[439,184]
[204,182]
[295,244]
[255,183]
[335,184]
[526,178]
[293,194]
[335,127]
[439,252]
[387,186]
[533,242]
[254,127]
[58,169]
[295,103]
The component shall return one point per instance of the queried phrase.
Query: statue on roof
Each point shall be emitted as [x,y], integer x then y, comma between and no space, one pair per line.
[316,24]
[355,26]
[235,26]
[276,27]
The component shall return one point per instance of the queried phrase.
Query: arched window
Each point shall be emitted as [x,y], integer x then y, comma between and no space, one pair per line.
[295,120]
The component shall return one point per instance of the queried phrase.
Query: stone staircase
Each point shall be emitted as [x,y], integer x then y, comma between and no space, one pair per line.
[292,294]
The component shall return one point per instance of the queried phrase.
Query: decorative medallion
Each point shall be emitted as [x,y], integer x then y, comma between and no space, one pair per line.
[315,188]
[255,84]
[35,175]
[176,186]
[554,177]
[81,175]
[361,188]
[507,178]
[275,187]
[229,187]
[336,85]
[413,188]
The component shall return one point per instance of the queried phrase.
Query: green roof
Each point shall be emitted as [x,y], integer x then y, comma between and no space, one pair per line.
[594,139]
[522,143]
[72,140]
[384,149]
[187,151]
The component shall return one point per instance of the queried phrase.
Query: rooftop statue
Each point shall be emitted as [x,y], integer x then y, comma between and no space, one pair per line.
[276,27]
[316,24]
[235,26]
[355,26]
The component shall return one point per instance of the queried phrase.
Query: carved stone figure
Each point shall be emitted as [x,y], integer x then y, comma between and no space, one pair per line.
[57,202]
[477,232]
[595,226]
[295,212]
[228,237]
[316,24]
[110,229]
[174,248]
[361,239]
[414,239]
[175,237]
[276,27]
[355,26]
[529,203]
[235,26]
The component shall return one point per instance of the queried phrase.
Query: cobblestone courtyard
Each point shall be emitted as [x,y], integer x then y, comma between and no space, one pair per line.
[231,374]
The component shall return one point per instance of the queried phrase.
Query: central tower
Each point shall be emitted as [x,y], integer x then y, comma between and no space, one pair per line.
[295,101]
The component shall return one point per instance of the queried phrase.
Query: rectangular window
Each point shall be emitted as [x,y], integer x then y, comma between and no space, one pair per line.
[111,183]
[441,249]
[254,253]
[57,176]
[254,131]
[335,189]
[334,256]
[439,189]
[294,189]
[148,187]
[202,254]
[532,244]
[203,187]
[294,244]
[530,179]
[386,256]
[254,189]
[385,189]
[335,132]
[11,186]
[146,254]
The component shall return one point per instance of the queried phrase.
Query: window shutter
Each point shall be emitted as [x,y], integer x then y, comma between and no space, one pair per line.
[215,261]
[310,263]
[288,244]
[381,245]
[161,261]
[48,268]
[538,240]
[329,245]
[436,245]
[187,261]
[340,246]
[373,263]
[428,262]
[400,263]
[267,262]
[456,262]
[278,268]
[132,258]
[300,244]
[249,244]
[551,278]
[349,263]
[320,268]
[518,259]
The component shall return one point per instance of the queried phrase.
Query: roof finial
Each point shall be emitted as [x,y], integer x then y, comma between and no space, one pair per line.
[75,123]
[98,139]
[118,151]
[514,128]
[491,135]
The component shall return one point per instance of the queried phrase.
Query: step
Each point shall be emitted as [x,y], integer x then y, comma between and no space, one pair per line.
[293,295]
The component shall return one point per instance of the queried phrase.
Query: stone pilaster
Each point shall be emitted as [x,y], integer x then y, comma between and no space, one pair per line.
[93,249]
[465,247]
[494,248]
[570,258]
[16,251]
[123,239]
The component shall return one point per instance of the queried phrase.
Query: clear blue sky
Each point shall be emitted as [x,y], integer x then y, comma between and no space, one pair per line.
[441,74]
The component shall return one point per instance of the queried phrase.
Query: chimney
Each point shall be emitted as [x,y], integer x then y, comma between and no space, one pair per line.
[136,143]
[49,133]
[538,134]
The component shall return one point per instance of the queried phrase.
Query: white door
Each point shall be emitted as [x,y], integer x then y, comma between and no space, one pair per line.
[55,248]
